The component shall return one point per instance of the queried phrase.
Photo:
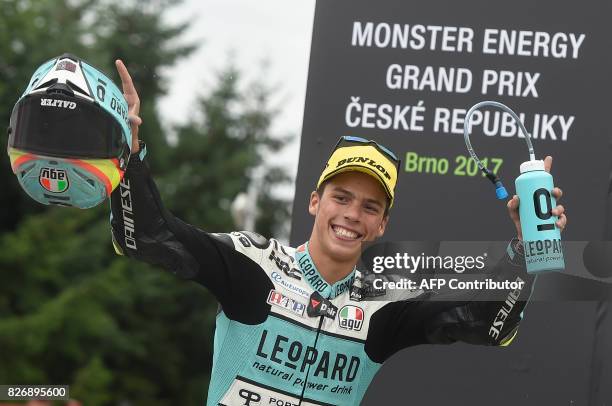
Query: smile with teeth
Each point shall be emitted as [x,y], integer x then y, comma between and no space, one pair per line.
[345,233]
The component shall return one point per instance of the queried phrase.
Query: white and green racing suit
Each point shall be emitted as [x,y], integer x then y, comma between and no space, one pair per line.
[283,335]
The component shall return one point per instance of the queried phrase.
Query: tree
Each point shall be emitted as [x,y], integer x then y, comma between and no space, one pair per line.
[72,312]
[217,153]
[134,32]
[97,31]
[30,33]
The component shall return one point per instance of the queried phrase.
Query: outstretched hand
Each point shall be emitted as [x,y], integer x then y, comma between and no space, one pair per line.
[131,96]
[513,205]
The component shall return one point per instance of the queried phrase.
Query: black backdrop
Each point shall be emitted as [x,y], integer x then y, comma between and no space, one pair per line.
[563,353]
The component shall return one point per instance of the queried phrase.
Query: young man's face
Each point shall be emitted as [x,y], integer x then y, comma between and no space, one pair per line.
[350,210]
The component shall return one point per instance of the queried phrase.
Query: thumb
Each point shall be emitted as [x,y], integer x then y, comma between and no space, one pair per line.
[134,120]
[513,203]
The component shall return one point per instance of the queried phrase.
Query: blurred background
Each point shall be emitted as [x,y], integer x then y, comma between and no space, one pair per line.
[222,86]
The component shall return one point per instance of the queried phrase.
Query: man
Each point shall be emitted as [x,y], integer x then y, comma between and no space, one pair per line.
[295,326]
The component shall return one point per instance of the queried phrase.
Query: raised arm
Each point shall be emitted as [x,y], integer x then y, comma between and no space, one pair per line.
[486,318]
[483,317]
[142,228]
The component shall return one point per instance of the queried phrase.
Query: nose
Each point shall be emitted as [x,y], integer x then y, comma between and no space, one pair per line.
[353,212]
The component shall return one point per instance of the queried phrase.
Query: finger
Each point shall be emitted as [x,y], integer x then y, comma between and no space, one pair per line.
[557,193]
[126,79]
[513,203]
[548,163]
[559,210]
[562,222]
[134,119]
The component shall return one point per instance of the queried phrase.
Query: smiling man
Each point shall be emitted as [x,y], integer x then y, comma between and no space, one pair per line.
[300,326]
[351,204]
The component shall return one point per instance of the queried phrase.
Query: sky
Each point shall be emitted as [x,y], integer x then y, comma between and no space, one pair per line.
[249,32]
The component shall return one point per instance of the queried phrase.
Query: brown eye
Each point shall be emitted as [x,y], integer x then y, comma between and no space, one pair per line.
[341,198]
[372,209]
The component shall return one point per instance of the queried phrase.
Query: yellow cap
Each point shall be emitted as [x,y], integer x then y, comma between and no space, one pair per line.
[364,158]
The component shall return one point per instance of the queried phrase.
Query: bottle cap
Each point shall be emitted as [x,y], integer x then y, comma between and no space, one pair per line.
[536,165]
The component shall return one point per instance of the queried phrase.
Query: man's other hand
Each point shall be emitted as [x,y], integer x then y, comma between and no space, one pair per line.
[513,205]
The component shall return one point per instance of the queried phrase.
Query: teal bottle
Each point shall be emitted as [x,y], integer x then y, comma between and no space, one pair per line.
[541,236]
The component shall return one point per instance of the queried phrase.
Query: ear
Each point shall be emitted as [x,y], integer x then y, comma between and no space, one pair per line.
[313,205]
[383,226]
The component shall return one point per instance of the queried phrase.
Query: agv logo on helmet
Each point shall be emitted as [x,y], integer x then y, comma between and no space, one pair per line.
[54,180]
[69,135]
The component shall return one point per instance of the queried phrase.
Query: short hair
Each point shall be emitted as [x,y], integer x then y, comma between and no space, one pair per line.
[321,189]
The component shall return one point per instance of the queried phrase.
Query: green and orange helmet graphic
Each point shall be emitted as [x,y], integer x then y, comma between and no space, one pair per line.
[69,135]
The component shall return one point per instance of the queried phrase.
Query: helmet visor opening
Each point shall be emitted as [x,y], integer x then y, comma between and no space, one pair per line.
[64,126]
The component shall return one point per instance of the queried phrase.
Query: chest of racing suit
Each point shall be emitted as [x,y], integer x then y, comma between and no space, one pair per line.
[284,336]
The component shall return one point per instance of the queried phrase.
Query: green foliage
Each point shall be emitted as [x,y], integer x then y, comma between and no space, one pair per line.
[31,32]
[93,382]
[72,312]
[133,32]
[217,153]
[273,211]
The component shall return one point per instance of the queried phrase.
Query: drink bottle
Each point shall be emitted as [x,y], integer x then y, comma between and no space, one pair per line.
[541,236]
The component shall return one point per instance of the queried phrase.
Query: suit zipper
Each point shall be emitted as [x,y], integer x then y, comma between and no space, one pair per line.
[309,365]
